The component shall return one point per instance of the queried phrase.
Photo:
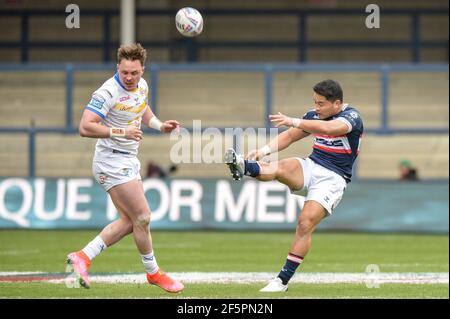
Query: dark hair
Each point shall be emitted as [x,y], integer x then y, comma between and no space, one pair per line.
[132,52]
[330,89]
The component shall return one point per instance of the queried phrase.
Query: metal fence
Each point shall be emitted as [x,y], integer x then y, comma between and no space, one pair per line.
[191,46]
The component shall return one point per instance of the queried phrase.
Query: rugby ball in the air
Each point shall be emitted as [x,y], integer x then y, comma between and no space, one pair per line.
[189,22]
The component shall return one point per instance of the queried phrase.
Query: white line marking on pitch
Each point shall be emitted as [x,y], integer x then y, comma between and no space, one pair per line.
[254,277]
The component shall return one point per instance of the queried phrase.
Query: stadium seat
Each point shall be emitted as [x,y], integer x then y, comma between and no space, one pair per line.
[293,93]
[60,155]
[380,155]
[427,107]
[14,154]
[228,99]
[44,101]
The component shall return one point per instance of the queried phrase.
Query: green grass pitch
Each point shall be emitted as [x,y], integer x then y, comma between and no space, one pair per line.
[45,251]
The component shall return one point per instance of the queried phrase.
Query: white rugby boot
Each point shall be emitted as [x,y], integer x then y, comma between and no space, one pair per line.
[235,163]
[275,285]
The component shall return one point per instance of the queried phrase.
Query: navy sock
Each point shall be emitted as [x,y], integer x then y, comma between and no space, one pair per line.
[251,168]
[289,268]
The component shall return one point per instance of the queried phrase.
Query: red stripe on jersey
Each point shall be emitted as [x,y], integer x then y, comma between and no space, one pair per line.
[332,150]
[329,136]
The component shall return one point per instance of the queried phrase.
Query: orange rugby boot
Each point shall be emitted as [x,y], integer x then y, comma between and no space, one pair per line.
[163,280]
[80,263]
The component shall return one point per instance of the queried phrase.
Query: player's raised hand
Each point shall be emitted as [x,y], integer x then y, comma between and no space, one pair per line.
[170,125]
[133,132]
[280,119]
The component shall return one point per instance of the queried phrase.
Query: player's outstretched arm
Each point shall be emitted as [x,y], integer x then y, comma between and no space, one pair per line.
[279,143]
[334,127]
[152,121]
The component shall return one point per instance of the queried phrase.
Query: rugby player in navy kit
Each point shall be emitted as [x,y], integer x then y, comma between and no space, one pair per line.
[321,177]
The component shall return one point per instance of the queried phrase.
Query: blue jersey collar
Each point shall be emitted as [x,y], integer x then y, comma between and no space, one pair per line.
[116,77]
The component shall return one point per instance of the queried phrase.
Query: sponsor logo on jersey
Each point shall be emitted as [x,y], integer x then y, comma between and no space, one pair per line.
[325,142]
[354,115]
[124,98]
[97,101]
[130,108]
[333,144]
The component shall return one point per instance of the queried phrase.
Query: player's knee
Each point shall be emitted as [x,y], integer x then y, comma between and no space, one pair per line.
[282,167]
[305,226]
[285,168]
[142,220]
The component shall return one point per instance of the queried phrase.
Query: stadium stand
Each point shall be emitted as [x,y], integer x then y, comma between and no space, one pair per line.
[275,28]
[427,107]
[380,155]
[233,99]
[14,154]
[44,99]
[293,92]
[227,99]
[60,155]
[218,98]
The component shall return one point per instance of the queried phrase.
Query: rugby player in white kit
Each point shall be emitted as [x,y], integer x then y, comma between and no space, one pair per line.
[114,116]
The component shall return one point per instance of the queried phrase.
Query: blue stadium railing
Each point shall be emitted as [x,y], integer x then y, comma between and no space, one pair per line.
[302,43]
[268,70]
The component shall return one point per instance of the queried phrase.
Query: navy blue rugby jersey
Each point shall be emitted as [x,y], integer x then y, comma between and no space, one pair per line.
[338,153]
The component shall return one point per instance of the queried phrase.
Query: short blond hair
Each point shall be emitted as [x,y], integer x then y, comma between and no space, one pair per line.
[132,52]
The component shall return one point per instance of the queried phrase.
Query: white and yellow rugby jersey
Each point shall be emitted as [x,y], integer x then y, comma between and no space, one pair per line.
[118,108]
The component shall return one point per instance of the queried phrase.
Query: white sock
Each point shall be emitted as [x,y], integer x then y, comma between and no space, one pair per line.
[150,264]
[95,247]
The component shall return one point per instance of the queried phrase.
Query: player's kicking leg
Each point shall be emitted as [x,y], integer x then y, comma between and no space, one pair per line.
[287,171]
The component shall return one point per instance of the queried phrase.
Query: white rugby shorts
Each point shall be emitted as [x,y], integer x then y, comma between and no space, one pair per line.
[321,185]
[117,170]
